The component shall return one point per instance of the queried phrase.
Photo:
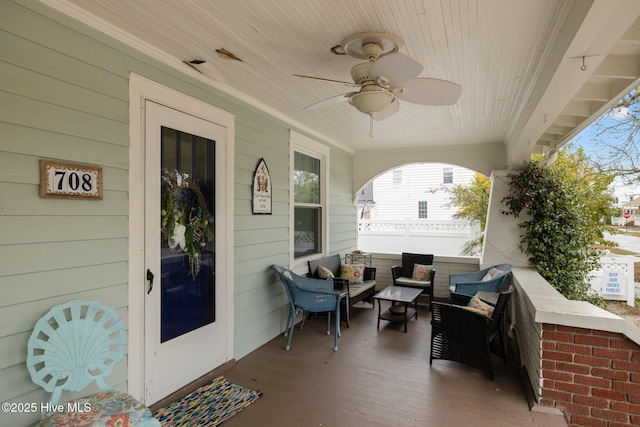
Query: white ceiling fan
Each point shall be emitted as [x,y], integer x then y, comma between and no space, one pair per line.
[386,78]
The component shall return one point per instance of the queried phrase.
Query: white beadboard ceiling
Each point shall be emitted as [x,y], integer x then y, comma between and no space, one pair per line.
[518,61]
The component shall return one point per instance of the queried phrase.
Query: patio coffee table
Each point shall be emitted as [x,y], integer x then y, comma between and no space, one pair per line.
[402,295]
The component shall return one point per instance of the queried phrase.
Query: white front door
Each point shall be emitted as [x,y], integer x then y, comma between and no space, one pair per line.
[184,255]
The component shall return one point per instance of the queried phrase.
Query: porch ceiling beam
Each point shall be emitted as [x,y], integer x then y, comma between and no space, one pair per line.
[619,67]
[567,120]
[578,109]
[621,85]
[595,92]
[557,130]
[631,37]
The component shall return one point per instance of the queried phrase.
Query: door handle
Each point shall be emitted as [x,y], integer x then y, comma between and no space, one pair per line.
[150,279]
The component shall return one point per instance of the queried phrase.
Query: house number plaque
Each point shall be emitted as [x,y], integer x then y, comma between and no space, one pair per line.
[70,180]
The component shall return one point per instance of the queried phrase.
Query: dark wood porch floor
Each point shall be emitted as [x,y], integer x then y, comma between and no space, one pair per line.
[376,378]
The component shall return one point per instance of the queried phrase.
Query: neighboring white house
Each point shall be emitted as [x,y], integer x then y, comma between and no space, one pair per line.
[626,198]
[415,191]
[407,210]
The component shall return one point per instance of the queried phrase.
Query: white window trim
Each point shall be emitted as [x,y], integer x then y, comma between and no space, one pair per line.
[305,145]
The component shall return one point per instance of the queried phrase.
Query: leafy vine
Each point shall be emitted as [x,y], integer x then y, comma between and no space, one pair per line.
[561,232]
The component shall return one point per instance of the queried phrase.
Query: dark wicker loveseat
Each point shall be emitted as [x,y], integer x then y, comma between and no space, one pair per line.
[356,292]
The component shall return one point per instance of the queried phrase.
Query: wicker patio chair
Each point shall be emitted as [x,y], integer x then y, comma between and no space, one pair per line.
[72,346]
[403,274]
[468,284]
[309,295]
[466,336]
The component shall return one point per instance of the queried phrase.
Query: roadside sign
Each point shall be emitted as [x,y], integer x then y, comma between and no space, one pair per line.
[614,279]
[627,214]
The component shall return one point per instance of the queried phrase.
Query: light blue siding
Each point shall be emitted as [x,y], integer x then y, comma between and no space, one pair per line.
[342,219]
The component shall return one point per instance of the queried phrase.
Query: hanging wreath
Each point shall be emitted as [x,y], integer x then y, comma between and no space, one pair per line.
[185,218]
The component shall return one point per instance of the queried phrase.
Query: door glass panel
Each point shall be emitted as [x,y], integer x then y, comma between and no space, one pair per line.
[187,241]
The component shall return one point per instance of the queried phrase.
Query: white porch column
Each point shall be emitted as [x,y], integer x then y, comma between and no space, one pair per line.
[501,234]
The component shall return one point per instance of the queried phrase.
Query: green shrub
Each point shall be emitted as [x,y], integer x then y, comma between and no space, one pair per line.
[564,208]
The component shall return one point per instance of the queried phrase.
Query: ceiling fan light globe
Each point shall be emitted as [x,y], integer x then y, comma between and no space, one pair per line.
[372,102]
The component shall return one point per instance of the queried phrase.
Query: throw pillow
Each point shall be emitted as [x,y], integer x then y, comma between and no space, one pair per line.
[353,272]
[479,306]
[324,272]
[421,272]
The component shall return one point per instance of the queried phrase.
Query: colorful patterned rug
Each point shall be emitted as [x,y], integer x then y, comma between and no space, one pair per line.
[210,405]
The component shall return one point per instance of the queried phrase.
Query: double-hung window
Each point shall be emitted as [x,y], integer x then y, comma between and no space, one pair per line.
[309,197]
[423,211]
[397,177]
[447,176]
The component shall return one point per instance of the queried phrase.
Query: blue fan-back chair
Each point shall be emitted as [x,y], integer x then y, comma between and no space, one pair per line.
[309,295]
[471,283]
[72,346]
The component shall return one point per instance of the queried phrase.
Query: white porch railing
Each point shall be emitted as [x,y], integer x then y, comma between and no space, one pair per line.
[415,235]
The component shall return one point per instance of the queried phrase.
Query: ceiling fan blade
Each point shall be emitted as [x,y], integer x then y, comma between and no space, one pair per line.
[330,101]
[389,111]
[395,69]
[428,91]
[351,84]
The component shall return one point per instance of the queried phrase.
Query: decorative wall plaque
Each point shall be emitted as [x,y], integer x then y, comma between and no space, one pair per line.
[70,180]
[261,189]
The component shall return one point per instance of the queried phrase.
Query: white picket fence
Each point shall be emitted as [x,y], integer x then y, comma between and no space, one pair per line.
[415,235]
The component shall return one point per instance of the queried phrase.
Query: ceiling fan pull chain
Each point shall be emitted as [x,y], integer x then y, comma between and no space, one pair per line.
[370,125]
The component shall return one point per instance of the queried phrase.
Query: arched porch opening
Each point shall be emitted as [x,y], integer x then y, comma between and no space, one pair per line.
[408,209]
